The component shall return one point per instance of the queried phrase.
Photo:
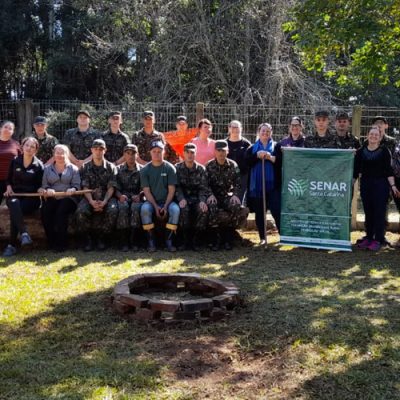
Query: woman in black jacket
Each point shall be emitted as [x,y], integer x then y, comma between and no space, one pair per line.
[24,176]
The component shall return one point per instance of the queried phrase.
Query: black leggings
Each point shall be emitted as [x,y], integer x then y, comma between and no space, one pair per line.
[55,214]
[18,208]
[3,187]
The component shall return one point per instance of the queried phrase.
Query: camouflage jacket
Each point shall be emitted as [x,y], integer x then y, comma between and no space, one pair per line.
[80,143]
[99,178]
[144,140]
[192,183]
[329,141]
[46,147]
[349,141]
[128,180]
[115,143]
[223,180]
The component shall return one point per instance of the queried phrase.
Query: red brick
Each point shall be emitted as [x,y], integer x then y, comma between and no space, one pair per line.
[145,314]
[197,305]
[164,305]
[133,300]
[122,308]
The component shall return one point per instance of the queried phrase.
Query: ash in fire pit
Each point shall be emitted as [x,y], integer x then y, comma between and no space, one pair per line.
[172,297]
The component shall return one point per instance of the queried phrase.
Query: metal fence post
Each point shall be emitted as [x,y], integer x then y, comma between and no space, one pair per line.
[199,112]
[356,130]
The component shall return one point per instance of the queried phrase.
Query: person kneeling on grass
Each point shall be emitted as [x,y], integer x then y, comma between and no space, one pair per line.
[158,179]
[24,176]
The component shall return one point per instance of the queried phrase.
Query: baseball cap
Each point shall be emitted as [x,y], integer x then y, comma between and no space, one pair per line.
[148,113]
[157,143]
[99,143]
[40,120]
[190,147]
[380,118]
[131,147]
[181,118]
[85,112]
[112,113]
[322,113]
[221,145]
[342,115]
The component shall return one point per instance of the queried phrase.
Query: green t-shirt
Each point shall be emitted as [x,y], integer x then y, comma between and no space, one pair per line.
[158,179]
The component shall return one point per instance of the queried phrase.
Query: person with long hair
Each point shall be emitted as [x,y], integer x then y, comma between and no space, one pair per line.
[373,163]
[238,146]
[24,176]
[59,176]
[262,149]
[9,149]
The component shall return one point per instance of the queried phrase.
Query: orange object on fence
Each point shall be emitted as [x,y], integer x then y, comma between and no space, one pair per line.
[178,139]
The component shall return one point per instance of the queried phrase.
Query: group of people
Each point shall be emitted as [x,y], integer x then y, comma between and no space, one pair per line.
[107,183]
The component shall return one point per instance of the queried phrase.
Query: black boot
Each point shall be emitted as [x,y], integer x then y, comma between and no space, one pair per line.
[101,244]
[135,238]
[185,241]
[89,243]
[196,242]
[151,246]
[124,240]
[227,238]
[215,239]
[168,240]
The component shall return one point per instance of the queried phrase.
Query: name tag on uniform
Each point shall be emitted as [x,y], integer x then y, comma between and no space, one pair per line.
[163,174]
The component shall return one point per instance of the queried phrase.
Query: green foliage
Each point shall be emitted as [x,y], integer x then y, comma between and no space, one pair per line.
[352,43]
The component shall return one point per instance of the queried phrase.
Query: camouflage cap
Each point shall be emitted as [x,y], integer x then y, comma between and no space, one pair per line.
[190,147]
[84,112]
[221,145]
[40,120]
[99,143]
[115,113]
[321,113]
[131,147]
[380,118]
[342,115]
[148,113]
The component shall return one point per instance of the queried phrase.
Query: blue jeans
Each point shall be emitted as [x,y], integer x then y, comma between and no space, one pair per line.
[147,212]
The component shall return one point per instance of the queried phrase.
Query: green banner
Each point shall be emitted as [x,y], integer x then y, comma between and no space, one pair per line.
[316,198]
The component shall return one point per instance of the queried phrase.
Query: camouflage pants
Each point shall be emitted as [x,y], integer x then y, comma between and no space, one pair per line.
[234,211]
[193,216]
[129,215]
[89,220]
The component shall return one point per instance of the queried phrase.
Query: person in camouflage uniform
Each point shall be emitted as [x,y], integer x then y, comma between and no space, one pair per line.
[192,192]
[224,182]
[46,141]
[128,194]
[346,139]
[115,139]
[322,138]
[146,136]
[97,212]
[79,140]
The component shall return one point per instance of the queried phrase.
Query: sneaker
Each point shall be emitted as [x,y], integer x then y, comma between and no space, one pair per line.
[25,239]
[374,245]
[363,244]
[358,241]
[9,251]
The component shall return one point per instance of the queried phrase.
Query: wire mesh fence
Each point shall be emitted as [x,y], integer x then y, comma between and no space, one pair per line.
[62,116]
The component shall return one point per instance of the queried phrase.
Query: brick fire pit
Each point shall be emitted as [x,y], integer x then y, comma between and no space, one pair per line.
[174,297]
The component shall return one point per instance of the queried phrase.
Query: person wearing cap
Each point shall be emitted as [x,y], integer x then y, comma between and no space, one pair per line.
[342,126]
[97,212]
[205,145]
[238,146]
[294,139]
[146,136]
[263,149]
[322,138]
[192,192]
[46,141]
[387,141]
[158,179]
[224,182]
[79,140]
[128,193]
[115,139]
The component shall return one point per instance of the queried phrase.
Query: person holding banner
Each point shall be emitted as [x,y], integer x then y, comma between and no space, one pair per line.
[373,162]
[59,176]
[259,155]
[24,176]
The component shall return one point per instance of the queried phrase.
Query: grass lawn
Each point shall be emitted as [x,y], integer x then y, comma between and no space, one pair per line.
[315,325]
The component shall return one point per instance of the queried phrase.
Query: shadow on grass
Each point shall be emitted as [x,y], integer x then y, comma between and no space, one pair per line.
[332,318]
